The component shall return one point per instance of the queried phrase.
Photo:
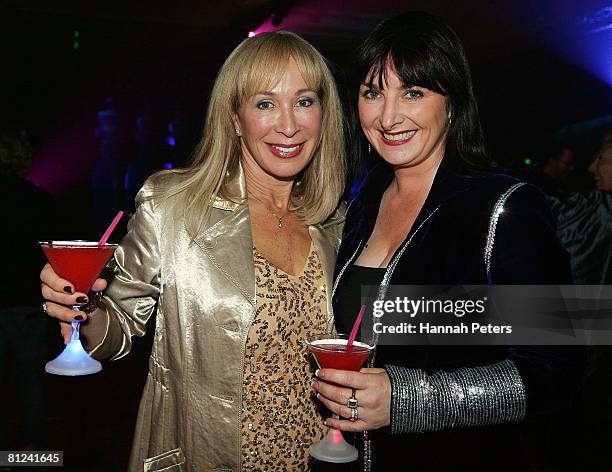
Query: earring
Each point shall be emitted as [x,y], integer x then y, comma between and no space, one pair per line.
[450,118]
[237,131]
[369,149]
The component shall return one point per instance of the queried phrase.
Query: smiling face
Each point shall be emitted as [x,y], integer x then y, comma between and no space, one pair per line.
[601,168]
[407,125]
[280,128]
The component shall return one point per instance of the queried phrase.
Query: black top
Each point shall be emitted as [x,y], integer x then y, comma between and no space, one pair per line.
[347,299]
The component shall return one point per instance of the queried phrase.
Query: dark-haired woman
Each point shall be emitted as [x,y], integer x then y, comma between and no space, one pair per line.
[431,213]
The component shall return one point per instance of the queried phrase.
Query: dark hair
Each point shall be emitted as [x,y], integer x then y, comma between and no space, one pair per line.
[426,52]
[552,148]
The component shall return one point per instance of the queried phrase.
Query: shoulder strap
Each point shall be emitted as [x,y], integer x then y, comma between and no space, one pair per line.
[497,210]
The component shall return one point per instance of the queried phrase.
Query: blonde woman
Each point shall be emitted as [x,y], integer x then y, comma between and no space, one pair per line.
[237,253]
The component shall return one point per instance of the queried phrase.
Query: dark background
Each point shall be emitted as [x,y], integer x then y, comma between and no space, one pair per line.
[540,69]
[110,91]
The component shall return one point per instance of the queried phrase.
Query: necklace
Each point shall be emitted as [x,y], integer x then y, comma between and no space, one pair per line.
[279,218]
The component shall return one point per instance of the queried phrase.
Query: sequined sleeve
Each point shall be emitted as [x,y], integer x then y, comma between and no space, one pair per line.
[471,396]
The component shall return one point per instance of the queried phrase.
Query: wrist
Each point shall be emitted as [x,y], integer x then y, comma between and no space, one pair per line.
[94,303]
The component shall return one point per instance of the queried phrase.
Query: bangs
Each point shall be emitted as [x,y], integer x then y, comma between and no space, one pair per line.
[424,51]
[412,67]
[266,64]
[416,47]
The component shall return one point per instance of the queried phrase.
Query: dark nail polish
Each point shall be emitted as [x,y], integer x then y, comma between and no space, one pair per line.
[68,289]
[79,318]
[81,300]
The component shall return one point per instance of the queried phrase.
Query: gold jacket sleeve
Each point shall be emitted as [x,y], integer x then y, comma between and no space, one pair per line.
[132,294]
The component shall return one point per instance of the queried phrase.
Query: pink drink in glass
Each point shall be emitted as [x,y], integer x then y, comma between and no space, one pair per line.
[331,352]
[79,262]
[335,355]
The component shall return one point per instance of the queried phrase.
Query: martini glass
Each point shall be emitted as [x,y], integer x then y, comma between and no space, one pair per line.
[80,262]
[330,351]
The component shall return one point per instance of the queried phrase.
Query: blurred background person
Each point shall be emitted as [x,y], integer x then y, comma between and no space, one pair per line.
[584,222]
[585,228]
[554,170]
[27,213]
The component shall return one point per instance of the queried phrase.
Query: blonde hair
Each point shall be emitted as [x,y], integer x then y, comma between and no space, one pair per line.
[257,64]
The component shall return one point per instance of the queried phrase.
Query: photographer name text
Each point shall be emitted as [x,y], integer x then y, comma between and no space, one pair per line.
[430,328]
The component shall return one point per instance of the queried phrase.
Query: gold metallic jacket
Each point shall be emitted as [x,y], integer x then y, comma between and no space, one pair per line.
[190,416]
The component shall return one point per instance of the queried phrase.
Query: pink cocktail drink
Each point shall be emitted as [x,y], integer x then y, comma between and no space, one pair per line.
[79,262]
[332,352]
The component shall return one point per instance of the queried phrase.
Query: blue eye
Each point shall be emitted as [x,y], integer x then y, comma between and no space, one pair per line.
[370,94]
[264,105]
[414,94]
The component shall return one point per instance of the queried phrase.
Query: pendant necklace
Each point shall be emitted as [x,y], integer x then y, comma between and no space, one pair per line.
[279,218]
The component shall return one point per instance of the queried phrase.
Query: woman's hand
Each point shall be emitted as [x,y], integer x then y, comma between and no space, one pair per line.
[60,296]
[372,391]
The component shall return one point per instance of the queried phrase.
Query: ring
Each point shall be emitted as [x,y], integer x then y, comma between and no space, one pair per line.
[352,402]
[353,414]
[44,307]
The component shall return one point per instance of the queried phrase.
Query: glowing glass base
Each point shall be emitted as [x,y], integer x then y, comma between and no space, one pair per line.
[73,360]
[333,448]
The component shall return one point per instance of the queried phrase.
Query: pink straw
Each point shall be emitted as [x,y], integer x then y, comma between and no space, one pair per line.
[110,229]
[351,339]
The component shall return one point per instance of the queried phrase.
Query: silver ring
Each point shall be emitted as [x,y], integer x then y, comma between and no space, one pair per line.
[44,307]
[352,402]
[353,414]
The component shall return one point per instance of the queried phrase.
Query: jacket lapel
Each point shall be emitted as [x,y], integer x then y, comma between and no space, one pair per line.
[228,242]
[326,243]
[229,246]
[448,182]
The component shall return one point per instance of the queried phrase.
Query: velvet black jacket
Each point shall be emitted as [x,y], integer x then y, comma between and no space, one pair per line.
[447,247]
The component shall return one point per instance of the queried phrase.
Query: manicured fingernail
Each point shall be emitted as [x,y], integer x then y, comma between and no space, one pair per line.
[319,374]
[315,385]
[81,299]
[318,396]
[79,318]
[325,423]
[68,289]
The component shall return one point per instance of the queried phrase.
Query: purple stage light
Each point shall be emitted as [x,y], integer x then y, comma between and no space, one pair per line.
[276,21]
[66,159]
[594,50]
[170,140]
[578,32]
